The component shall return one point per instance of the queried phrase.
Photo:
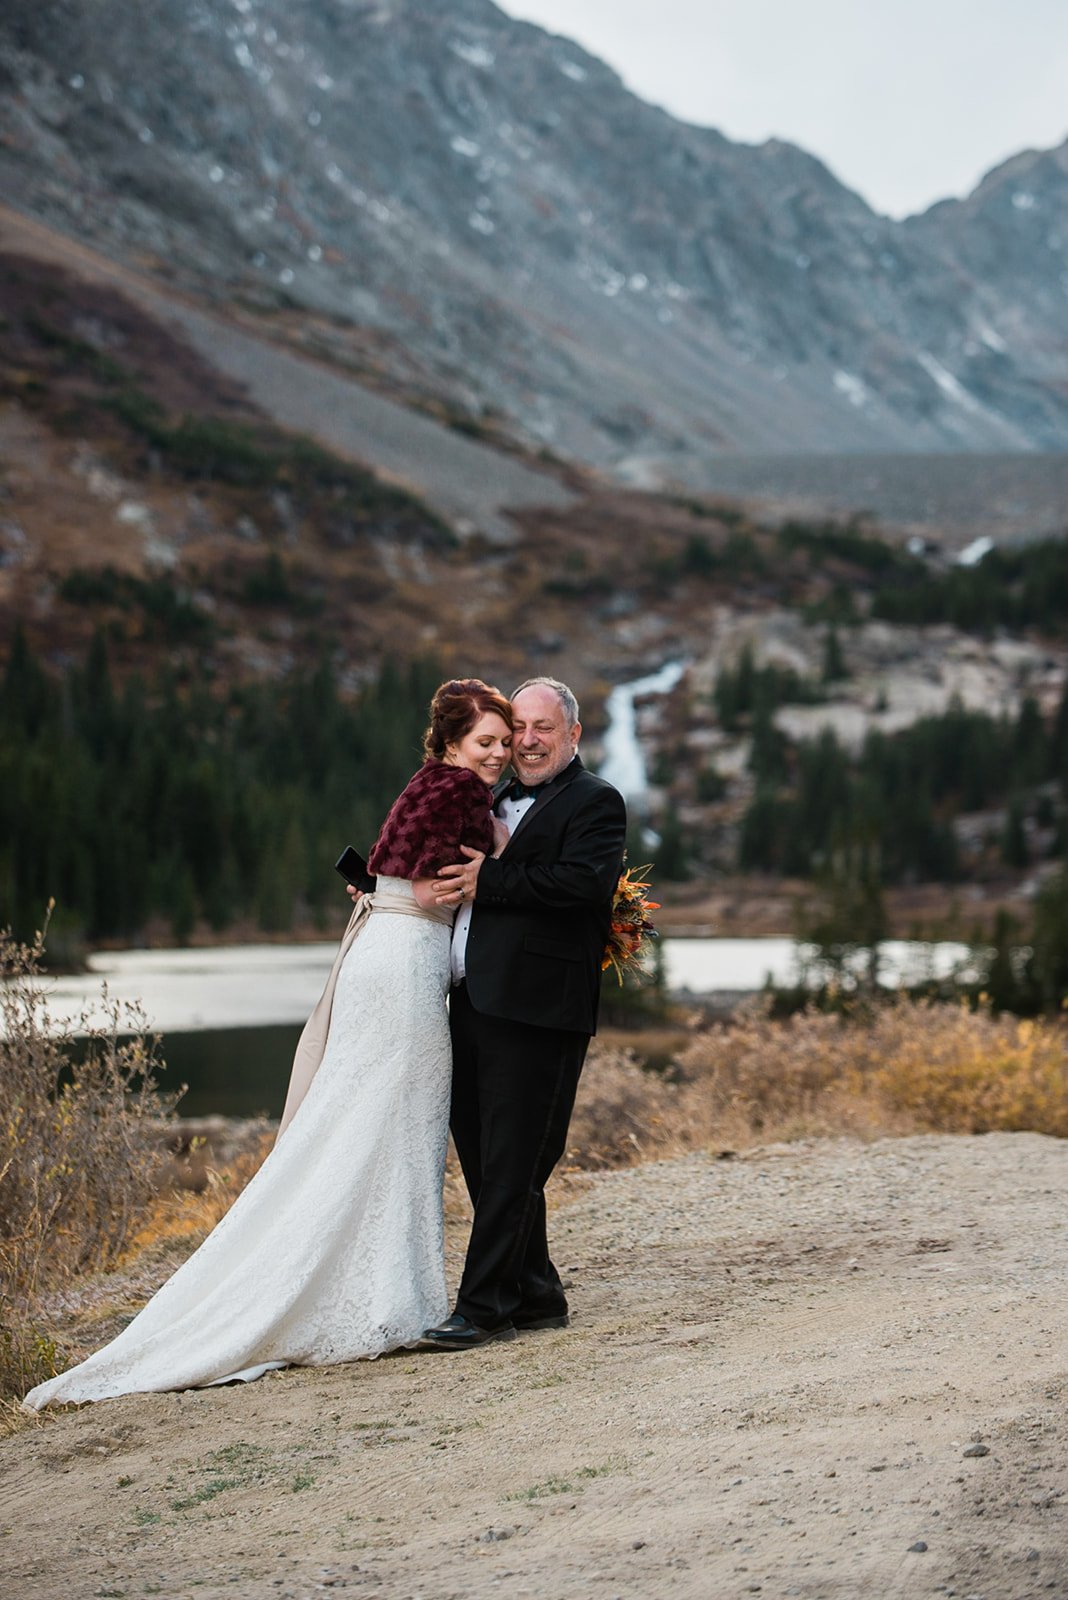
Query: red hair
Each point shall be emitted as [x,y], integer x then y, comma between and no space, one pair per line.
[456,707]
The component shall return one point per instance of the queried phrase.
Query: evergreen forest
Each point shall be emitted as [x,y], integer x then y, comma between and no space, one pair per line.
[170,799]
[902,792]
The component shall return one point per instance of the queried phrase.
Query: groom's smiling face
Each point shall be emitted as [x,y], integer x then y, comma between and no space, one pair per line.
[542,742]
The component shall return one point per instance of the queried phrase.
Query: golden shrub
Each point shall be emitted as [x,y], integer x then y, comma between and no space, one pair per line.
[902,1067]
[972,1073]
[79,1147]
[623,1114]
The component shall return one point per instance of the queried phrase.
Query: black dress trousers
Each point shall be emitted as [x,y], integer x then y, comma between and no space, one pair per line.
[513,1091]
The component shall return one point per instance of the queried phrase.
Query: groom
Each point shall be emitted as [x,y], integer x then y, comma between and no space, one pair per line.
[526,968]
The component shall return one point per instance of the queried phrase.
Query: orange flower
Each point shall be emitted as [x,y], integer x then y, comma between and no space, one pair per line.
[631,922]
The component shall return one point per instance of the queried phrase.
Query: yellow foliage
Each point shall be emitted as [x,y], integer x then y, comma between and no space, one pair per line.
[189,1214]
[974,1075]
[906,1067]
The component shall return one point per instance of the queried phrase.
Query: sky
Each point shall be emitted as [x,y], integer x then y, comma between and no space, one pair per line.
[907,101]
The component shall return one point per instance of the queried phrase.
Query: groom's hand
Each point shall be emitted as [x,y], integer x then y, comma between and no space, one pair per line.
[457,884]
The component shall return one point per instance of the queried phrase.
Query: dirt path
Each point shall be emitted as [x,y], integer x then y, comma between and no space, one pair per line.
[776,1370]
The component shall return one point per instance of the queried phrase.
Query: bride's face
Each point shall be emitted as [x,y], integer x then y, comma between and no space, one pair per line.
[486,748]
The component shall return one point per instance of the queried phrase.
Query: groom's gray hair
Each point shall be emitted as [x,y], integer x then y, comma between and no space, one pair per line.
[565,695]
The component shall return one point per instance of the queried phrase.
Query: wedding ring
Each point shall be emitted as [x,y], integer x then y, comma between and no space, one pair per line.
[461,896]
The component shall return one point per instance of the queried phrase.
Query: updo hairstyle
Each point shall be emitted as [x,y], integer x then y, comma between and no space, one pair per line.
[454,710]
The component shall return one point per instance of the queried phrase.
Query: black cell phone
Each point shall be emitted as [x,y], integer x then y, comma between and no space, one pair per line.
[353,868]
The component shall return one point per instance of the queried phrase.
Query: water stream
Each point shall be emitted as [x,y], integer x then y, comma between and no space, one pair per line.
[623,763]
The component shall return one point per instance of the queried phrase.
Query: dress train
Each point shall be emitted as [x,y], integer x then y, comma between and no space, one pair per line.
[334,1251]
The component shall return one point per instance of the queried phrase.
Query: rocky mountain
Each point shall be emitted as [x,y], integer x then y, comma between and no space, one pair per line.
[1009,242]
[480,214]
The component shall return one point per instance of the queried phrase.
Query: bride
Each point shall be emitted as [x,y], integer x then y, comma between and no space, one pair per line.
[334,1251]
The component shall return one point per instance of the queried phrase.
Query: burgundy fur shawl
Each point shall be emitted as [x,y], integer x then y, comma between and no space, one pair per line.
[440,809]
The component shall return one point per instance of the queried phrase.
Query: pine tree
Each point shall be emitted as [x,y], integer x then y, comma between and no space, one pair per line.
[1049,941]
[1029,743]
[767,753]
[27,698]
[848,921]
[671,855]
[764,832]
[1015,851]
[1002,983]
[834,666]
[1058,746]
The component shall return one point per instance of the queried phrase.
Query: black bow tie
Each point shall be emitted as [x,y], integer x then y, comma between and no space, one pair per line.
[517,790]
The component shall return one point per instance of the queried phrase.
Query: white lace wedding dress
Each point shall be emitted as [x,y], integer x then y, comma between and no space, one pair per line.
[334,1251]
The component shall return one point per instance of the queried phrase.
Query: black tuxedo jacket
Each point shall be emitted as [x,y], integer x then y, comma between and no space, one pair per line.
[542,910]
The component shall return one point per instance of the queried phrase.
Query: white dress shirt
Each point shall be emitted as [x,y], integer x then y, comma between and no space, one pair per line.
[509,813]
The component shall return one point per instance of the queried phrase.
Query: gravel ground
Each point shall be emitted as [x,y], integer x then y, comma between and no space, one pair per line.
[823,1370]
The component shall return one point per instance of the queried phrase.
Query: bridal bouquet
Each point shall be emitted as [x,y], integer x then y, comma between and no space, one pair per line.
[632,924]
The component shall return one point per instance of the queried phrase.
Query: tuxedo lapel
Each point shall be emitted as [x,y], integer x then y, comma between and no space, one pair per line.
[551,792]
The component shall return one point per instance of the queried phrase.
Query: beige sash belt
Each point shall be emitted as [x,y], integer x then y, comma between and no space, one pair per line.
[312,1042]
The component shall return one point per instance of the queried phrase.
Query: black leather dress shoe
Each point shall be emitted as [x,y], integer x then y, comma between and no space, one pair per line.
[457,1333]
[529,1321]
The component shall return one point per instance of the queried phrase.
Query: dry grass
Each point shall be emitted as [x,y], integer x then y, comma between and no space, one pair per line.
[624,1113]
[79,1151]
[85,1311]
[975,1074]
[186,1214]
[904,1068]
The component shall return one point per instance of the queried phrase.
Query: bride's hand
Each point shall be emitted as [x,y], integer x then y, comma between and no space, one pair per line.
[501,835]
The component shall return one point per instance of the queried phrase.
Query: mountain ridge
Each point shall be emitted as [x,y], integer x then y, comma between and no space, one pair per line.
[530,240]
